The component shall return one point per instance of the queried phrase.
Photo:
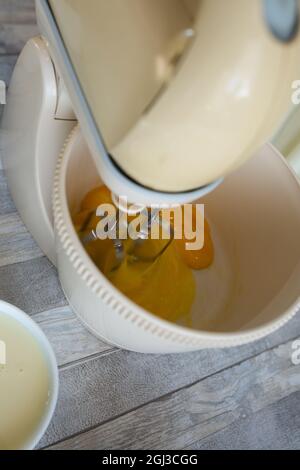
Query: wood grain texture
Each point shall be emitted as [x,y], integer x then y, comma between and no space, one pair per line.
[17,11]
[13,37]
[17,25]
[70,340]
[6,204]
[179,419]
[276,427]
[16,243]
[7,63]
[102,389]
[32,286]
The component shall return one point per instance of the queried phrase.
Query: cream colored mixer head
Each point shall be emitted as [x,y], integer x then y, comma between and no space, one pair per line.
[179,92]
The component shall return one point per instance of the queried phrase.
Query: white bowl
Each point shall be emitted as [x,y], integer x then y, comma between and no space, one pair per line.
[46,348]
[252,288]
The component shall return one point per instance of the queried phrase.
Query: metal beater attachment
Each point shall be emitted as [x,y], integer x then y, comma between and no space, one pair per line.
[153,217]
[92,235]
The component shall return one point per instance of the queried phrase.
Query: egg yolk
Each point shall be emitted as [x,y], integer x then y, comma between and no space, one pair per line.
[99,195]
[164,285]
[197,259]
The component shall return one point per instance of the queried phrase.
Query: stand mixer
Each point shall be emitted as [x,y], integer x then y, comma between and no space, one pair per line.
[171,97]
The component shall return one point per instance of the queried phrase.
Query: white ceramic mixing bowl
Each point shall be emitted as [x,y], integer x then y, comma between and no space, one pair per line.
[252,288]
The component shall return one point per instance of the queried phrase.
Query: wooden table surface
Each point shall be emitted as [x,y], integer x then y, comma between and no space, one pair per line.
[240,398]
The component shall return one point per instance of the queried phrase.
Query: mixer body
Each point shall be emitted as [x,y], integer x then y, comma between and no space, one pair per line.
[176,94]
[35,125]
[161,138]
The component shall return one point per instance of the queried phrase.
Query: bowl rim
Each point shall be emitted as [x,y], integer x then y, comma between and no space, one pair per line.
[34,329]
[113,298]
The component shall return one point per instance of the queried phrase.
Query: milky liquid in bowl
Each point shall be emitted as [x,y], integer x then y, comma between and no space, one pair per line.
[24,384]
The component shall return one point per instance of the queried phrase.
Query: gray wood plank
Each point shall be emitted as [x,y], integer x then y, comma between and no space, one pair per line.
[70,340]
[16,243]
[100,390]
[14,36]
[277,427]
[179,419]
[17,11]
[6,204]
[32,286]
[7,63]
